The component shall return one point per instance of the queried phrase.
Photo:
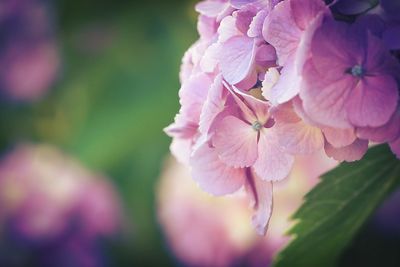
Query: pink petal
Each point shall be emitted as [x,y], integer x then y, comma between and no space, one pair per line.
[265,55]
[324,99]
[181,128]
[258,107]
[373,101]
[209,61]
[193,95]
[385,133]
[305,11]
[212,175]
[237,59]
[256,25]
[281,31]
[244,16]
[214,104]
[285,113]
[339,137]
[395,147]
[271,78]
[349,153]
[299,138]
[227,29]
[288,85]
[260,192]
[335,48]
[272,164]
[211,8]
[181,149]
[235,142]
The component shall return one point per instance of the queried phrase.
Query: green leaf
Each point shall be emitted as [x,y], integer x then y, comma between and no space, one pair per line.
[337,207]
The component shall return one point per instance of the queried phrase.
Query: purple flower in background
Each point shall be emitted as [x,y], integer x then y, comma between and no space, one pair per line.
[29,58]
[53,212]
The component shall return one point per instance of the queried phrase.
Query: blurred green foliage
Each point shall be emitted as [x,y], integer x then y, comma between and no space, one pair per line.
[117,90]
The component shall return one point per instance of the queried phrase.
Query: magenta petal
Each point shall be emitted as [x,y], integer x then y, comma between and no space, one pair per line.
[235,142]
[260,192]
[339,137]
[349,153]
[299,138]
[395,147]
[212,175]
[373,101]
[272,164]
[237,58]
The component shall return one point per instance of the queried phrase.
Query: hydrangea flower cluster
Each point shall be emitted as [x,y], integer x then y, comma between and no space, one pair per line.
[268,80]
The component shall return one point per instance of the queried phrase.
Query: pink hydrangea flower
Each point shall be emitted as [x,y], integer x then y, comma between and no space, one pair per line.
[271,80]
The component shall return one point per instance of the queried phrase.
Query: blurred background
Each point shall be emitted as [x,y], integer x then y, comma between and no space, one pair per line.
[85,90]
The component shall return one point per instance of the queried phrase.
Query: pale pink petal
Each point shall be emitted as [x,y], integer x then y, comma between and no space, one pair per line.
[288,85]
[339,137]
[373,101]
[209,61]
[324,100]
[181,128]
[299,138]
[385,133]
[281,31]
[272,164]
[212,175]
[227,29]
[193,94]
[235,142]
[271,78]
[285,113]
[395,147]
[237,59]
[256,25]
[207,27]
[260,193]
[349,153]
[181,149]
[211,8]
[214,104]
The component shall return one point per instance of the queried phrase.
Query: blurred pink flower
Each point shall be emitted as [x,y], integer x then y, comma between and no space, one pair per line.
[203,230]
[29,55]
[46,196]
